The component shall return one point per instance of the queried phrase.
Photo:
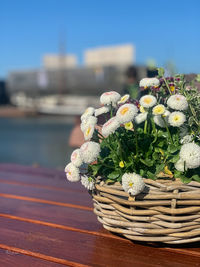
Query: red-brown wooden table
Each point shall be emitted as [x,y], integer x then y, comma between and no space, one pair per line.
[47,221]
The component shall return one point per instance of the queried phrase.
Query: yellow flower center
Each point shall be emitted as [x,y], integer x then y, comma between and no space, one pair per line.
[128,125]
[130,184]
[176,118]
[147,100]
[172,88]
[124,110]
[69,173]
[121,164]
[88,131]
[158,110]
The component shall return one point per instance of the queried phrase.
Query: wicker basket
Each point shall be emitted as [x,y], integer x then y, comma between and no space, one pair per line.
[166,211]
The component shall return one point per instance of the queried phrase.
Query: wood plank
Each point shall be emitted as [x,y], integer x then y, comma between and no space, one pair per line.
[87,249]
[10,258]
[62,187]
[16,168]
[57,185]
[77,218]
[74,220]
[57,180]
[28,174]
[47,194]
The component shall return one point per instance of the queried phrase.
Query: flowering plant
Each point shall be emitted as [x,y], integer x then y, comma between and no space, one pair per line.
[155,137]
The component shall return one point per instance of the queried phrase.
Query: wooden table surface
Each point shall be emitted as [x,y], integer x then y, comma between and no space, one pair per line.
[47,221]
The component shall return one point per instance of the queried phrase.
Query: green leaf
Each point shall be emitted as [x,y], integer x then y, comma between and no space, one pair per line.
[161,144]
[151,175]
[196,177]
[162,134]
[95,168]
[142,172]
[177,174]
[155,155]
[113,175]
[157,149]
[185,180]
[147,162]
[172,148]
[174,159]
[159,168]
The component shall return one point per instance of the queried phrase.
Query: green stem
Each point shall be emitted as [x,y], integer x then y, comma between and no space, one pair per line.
[136,139]
[145,127]
[107,143]
[111,110]
[167,85]
[166,126]
[120,146]
[101,135]
[153,125]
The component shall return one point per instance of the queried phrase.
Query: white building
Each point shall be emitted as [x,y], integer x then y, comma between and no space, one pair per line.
[110,55]
[55,61]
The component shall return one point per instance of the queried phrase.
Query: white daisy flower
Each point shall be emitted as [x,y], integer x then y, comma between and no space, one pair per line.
[101,110]
[76,158]
[124,99]
[110,126]
[89,120]
[88,112]
[159,109]
[144,82]
[179,165]
[141,117]
[132,183]
[177,102]
[90,151]
[92,120]
[88,182]
[83,126]
[72,172]
[148,82]
[126,113]
[148,101]
[186,139]
[190,153]
[158,119]
[108,98]
[88,132]
[176,119]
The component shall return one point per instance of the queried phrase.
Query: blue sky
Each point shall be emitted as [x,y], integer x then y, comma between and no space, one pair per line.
[160,29]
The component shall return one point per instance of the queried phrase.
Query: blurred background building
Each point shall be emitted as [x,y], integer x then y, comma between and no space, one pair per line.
[53,61]
[104,68]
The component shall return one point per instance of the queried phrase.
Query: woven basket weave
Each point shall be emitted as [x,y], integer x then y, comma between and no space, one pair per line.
[166,211]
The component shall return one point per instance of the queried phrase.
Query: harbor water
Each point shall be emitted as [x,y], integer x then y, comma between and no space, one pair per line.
[41,141]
